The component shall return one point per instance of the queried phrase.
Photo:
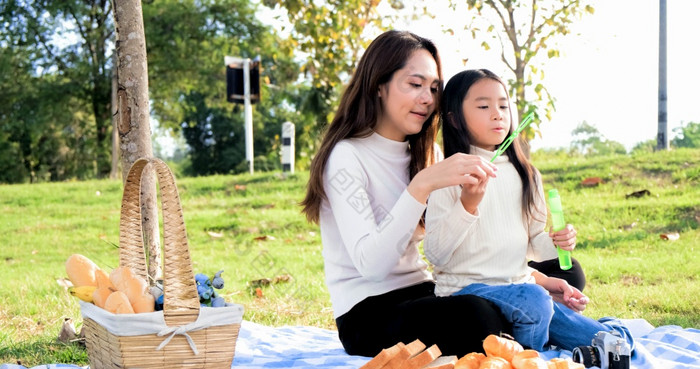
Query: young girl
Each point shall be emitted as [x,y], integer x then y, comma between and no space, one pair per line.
[480,235]
[367,188]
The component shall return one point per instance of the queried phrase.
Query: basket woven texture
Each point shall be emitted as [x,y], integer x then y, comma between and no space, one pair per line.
[215,345]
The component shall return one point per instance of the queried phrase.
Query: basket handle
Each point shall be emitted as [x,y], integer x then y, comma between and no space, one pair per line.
[180,300]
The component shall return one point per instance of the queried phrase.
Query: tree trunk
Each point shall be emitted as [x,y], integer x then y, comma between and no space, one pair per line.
[133,118]
[114,171]
[520,96]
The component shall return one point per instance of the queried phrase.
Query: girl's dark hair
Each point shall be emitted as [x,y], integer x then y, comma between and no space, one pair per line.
[456,137]
[360,107]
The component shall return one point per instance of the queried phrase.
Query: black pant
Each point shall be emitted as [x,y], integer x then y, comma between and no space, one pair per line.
[457,324]
[550,268]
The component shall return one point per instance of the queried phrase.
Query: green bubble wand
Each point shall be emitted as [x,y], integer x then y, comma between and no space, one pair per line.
[526,122]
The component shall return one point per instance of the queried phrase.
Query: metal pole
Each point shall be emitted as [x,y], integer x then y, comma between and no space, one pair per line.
[248,112]
[662,137]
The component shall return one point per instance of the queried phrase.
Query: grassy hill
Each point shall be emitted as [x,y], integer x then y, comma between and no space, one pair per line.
[250,227]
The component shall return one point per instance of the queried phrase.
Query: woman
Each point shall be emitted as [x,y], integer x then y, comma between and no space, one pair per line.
[368,189]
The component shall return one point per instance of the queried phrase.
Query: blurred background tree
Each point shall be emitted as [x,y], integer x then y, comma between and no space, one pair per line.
[328,37]
[589,141]
[687,135]
[187,42]
[56,87]
[56,61]
[525,32]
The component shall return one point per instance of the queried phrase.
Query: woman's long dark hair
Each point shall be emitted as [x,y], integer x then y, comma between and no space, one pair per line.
[360,107]
[456,137]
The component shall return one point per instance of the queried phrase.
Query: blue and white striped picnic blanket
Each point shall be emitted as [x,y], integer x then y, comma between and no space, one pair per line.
[260,347]
[665,347]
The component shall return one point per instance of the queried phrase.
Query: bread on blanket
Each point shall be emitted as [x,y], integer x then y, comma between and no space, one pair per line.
[471,360]
[422,359]
[415,347]
[383,357]
[406,352]
[443,362]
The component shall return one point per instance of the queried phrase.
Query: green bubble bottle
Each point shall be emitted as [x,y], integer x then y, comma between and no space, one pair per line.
[558,224]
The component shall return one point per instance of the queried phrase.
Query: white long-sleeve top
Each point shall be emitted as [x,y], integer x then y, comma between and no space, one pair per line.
[493,246]
[369,222]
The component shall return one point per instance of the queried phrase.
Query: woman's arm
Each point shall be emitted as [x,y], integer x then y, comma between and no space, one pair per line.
[375,238]
[458,169]
[375,243]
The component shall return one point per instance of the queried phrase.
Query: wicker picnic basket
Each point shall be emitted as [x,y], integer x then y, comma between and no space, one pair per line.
[184,334]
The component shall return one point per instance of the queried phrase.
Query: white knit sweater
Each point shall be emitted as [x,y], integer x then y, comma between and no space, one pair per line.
[493,246]
[368,222]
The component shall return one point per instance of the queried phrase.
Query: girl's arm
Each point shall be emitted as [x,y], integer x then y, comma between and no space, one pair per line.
[540,246]
[562,292]
[447,224]
[448,218]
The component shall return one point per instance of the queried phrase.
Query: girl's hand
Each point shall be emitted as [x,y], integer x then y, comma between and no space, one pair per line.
[457,169]
[472,194]
[562,292]
[564,238]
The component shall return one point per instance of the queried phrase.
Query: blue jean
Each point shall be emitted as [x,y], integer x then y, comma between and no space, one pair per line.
[538,320]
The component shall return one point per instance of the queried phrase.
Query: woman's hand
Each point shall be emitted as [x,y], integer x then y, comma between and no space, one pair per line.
[564,238]
[562,292]
[458,169]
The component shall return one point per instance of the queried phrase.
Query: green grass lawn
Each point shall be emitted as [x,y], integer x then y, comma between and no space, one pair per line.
[250,226]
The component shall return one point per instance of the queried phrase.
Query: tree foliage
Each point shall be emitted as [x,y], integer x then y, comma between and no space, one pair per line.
[687,135]
[644,146]
[55,119]
[187,42]
[590,142]
[329,34]
[59,81]
[526,32]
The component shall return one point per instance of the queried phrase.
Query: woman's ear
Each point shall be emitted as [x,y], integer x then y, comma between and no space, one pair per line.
[451,120]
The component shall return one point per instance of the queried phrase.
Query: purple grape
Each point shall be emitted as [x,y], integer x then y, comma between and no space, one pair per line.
[217,281]
[201,279]
[204,292]
[218,302]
